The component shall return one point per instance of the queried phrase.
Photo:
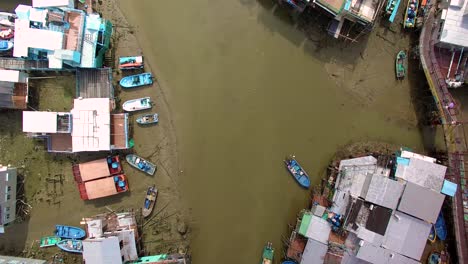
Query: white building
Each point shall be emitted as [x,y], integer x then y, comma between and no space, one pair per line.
[7,196]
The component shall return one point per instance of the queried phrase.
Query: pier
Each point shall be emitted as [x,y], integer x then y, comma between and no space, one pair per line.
[455,140]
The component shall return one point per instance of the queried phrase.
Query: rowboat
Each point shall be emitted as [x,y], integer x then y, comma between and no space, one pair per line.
[411,14]
[141,164]
[7,19]
[6,33]
[133,62]
[268,253]
[49,241]
[137,104]
[137,80]
[5,45]
[401,64]
[288,262]
[392,9]
[297,171]
[150,201]
[147,119]
[71,245]
[69,232]
[438,258]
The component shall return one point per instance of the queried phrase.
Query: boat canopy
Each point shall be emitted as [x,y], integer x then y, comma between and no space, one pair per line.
[100,188]
[94,170]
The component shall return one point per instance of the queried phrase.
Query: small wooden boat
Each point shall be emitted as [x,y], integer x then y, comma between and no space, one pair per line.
[147,119]
[136,80]
[411,14]
[7,19]
[288,262]
[137,104]
[392,9]
[268,253]
[296,170]
[438,258]
[70,232]
[6,33]
[432,235]
[5,45]
[401,65]
[150,201]
[141,164]
[49,241]
[129,63]
[71,245]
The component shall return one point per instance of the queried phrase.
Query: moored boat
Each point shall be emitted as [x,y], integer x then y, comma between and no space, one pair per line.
[136,80]
[7,33]
[438,258]
[268,253]
[392,9]
[147,119]
[401,64]
[141,164]
[137,104]
[150,201]
[70,232]
[440,227]
[7,19]
[71,245]
[297,172]
[132,62]
[49,241]
[5,45]
[411,13]
[288,262]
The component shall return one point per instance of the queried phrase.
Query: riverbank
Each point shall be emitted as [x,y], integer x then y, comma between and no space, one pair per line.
[48,182]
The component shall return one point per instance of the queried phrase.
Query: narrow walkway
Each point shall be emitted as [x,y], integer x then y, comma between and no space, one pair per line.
[454,134]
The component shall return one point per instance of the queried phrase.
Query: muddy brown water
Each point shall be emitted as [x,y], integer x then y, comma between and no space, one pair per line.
[245,88]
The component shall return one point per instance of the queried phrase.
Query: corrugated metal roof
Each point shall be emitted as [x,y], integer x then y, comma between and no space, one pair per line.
[355,175]
[421,202]
[314,252]
[406,235]
[424,173]
[455,27]
[384,191]
[379,255]
[319,229]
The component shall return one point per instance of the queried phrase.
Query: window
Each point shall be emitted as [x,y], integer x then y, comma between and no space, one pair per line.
[8,188]
[7,209]
[7,216]
[8,197]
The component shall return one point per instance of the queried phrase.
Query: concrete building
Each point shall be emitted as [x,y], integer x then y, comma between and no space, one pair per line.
[64,36]
[14,89]
[89,126]
[7,196]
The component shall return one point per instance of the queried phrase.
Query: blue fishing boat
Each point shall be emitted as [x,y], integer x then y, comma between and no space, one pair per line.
[5,45]
[137,80]
[70,232]
[141,164]
[392,9]
[288,262]
[440,227]
[71,245]
[411,14]
[296,170]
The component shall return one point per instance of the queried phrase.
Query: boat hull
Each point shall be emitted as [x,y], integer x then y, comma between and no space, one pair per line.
[150,201]
[148,119]
[440,227]
[297,172]
[137,104]
[71,245]
[267,255]
[69,232]
[138,80]
[131,63]
[141,164]
[401,65]
[5,45]
[49,241]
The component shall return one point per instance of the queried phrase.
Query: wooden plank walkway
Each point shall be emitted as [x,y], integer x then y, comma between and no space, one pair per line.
[454,134]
